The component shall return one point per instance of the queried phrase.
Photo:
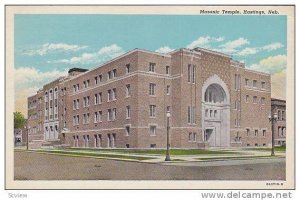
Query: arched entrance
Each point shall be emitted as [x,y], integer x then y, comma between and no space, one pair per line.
[216,112]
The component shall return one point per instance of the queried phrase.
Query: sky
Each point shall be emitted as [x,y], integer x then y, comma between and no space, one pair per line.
[46,46]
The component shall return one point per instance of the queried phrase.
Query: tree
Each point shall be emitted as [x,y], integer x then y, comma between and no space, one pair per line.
[19,120]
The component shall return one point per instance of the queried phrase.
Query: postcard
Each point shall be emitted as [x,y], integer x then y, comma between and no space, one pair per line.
[150,97]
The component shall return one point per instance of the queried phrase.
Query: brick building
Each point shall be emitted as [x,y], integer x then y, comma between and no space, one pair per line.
[279,106]
[213,101]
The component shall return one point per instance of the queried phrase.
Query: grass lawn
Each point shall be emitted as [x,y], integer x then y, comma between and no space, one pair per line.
[98,155]
[281,149]
[235,157]
[154,151]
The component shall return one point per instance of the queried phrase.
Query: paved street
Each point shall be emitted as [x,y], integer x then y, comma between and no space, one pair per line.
[34,166]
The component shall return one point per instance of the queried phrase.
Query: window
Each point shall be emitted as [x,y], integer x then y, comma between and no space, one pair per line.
[247,82]
[77,104]
[109,75]
[247,132]
[114,94]
[127,112]
[254,83]
[152,67]
[168,70]
[215,113]
[195,137]
[152,145]
[127,145]
[114,73]
[152,130]
[96,80]
[168,90]
[100,116]
[189,114]
[264,133]
[74,104]
[114,114]
[283,115]
[263,85]
[128,92]
[127,68]
[256,133]
[262,100]
[96,118]
[191,73]
[100,78]
[247,98]
[168,108]
[152,110]
[235,104]
[99,98]
[109,115]
[152,89]
[254,99]
[127,130]
[109,95]
[96,99]
[279,115]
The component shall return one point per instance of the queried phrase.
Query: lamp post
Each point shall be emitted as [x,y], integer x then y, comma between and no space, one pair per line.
[168,137]
[273,119]
[27,137]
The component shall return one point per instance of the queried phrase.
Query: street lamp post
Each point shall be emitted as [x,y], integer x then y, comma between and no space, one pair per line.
[27,137]
[168,137]
[273,119]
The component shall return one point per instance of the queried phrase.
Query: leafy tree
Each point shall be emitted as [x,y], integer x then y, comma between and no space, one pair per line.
[19,120]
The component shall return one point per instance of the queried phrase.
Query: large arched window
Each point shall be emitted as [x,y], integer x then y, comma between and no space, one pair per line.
[215,94]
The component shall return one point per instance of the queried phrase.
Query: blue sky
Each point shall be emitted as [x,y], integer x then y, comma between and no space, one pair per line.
[47,45]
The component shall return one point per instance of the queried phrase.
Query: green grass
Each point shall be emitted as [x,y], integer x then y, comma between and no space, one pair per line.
[98,155]
[236,157]
[155,151]
[281,149]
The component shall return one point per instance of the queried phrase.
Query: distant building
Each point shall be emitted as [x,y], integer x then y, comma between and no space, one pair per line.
[214,102]
[20,136]
[279,106]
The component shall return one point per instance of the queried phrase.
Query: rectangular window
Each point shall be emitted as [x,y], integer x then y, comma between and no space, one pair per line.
[255,83]
[114,73]
[109,75]
[114,114]
[109,115]
[195,137]
[100,98]
[190,137]
[100,78]
[256,133]
[127,112]
[237,81]
[114,94]
[152,89]
[254,99]
[283,115]
[168,70]
[127,130]
[247,82]
[264,133]
[96,118]
[152,110]
[168,90]
[152,67]
[109,95]
[189,114]
[100,116]
[96,80]
[247,132]
[128,92]
[189,73]
[96,99]
[193,74]
[127,68]
[152,130]
[263,100]
[247,98]
[74,104]
[263,85]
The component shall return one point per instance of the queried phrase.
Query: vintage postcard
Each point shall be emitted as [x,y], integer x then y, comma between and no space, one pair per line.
[150,97]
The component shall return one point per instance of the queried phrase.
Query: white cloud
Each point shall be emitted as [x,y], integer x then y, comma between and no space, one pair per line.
[164,49]
[48,47]
[272,64]
[248,51]
[278,81]
[104,54]
[272,46]
[204,41]
[231,47]
[28,80]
